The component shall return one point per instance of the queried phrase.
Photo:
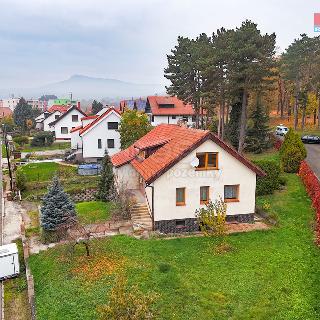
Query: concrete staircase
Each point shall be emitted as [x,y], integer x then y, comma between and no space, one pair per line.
[140,217]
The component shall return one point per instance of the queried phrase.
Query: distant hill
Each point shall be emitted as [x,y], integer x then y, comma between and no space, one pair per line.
[84,87]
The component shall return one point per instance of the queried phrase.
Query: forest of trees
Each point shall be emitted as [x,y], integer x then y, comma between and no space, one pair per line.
[235,78]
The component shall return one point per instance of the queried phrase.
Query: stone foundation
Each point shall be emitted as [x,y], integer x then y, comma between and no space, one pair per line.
[191,224]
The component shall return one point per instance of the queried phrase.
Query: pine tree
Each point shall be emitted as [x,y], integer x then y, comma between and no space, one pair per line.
[234,125]
[57,209]
[257,134]
[106,186]
[96,107]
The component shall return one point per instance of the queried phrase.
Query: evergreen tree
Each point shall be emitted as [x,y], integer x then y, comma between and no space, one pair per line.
[292,152]
[234,125]
[251,66]
[22,113]
[257,134]
[96,107]
[133,126]
[57,209]
[106,186]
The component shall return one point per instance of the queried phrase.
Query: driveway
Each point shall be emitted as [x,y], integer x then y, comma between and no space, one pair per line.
[313,158]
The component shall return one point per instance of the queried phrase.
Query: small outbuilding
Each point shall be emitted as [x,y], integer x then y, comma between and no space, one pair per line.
[9,261]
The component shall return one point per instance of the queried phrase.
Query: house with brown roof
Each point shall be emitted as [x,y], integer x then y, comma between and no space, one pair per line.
[169,110]
[97,134]
[172,171]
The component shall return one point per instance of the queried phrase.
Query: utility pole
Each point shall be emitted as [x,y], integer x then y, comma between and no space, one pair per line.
[7,152]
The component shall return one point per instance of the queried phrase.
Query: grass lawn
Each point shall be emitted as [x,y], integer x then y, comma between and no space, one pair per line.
[54,146]
[271,274]
[93,211]
[271,154]
[39,175]
[3,150]
[43,171]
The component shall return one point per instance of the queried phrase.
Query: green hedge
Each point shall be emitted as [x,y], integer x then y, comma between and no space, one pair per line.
[272,181]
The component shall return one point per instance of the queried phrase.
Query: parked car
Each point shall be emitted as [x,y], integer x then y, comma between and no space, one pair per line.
[281,130]
[310,139]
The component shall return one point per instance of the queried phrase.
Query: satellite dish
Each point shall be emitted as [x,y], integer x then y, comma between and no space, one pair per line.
[195,162]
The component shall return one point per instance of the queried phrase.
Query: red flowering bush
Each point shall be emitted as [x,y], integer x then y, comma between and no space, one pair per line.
[312,185]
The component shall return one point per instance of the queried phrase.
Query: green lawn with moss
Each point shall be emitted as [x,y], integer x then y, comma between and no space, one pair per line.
[39,175]
[93,211]
[43,171]
[271,274]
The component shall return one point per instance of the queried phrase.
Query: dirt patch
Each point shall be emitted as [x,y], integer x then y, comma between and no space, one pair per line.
[96,267]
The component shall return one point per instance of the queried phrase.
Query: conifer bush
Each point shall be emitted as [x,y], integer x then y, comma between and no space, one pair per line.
[272,181]
[57,212]
[292,152]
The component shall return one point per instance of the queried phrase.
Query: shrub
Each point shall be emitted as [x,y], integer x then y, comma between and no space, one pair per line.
[42,139]
[312,185]
[272,181]
[292,152]
[21,180]
[21,140]
[212,218]
[127,303]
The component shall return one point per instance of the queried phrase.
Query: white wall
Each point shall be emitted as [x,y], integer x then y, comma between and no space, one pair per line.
[127,176]
[100,131]
[168,120]
[76,140]
[230,172]
[66,121]
[50,119]
[10,103]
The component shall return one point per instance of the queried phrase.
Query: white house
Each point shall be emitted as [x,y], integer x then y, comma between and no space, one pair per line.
[97,134]
[62,125]
[176,170]
[169,110]
[10,103]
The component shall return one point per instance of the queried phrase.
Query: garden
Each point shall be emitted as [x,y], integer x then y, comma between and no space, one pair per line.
[37,176]
[269,274]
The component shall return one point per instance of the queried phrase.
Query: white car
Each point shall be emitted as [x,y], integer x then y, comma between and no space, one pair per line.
[281,130]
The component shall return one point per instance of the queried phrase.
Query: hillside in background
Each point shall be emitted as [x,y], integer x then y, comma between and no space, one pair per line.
[84,87]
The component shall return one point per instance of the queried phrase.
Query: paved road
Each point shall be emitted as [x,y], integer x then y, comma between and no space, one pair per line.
[313,158]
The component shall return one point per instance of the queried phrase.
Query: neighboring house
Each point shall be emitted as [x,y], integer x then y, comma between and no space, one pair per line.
[177,170]
[97,134]
[169,110]
[5,112]
[133,104]
[48,117]
[76,139]
[62,125]
[10,103]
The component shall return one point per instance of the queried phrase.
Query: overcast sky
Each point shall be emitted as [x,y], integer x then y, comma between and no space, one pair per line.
[43,41]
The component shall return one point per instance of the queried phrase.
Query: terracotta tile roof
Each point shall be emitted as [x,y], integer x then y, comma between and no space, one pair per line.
[125,156]
[179,108]
[67,112]
[5,112]
[94,122]
[61,108]
[76,129]
[176,143]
